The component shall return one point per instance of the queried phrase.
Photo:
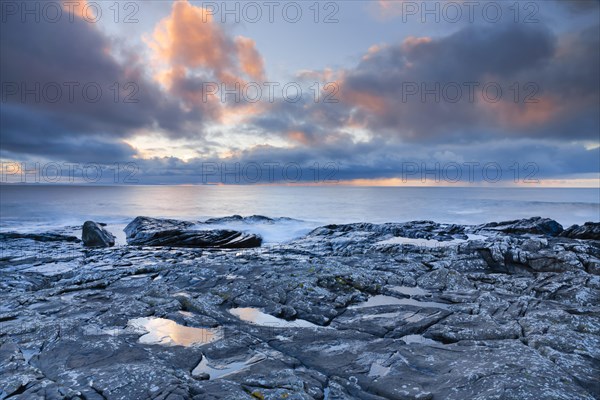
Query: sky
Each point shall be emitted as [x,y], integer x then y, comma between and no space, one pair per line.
[310,92]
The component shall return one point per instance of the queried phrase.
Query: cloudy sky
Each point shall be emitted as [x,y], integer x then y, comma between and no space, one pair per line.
[358,92]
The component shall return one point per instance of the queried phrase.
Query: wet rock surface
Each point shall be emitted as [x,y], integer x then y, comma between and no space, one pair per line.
[145,231]
[93,234]
[535,225]
[345,312]
[40,237]
[589,230]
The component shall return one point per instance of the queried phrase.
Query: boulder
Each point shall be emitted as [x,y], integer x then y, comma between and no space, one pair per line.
[535,225]
[94,235]
[145,231]
[589,230]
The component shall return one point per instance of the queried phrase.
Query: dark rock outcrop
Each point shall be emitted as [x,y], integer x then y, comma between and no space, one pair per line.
[93,234]
[145,231]
[589,230]
[535,225]
[39,237]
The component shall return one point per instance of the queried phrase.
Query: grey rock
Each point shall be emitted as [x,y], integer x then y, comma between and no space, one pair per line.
[514,315]
[145,231]
[93,234]
[41,237]
[535,225]
[589,230]
[249,219]
[201,376]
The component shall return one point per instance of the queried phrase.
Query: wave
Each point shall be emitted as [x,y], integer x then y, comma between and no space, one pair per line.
[273,230]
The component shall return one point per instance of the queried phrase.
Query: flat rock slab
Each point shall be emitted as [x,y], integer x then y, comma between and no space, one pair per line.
[390,321]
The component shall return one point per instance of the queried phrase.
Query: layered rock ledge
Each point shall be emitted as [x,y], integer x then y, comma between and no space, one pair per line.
[415,310]
[145,231]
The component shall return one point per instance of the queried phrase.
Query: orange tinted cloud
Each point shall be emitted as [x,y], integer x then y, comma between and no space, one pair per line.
[300,137]
[190,49]
[335,88]
[372,51]
[412,41]
[525,115]
[250,60]
[241,113]
[79,9]
[368,101]
[190,38]
[389,8]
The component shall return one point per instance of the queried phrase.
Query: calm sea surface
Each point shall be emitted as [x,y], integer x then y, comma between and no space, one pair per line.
[35,208]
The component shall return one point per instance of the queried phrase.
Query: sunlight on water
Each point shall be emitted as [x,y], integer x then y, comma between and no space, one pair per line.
[257,317]
[167,332]
[382,300]
[430,243]
[218,370]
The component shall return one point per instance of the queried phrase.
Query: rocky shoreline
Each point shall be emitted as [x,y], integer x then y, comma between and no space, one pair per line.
[415,310]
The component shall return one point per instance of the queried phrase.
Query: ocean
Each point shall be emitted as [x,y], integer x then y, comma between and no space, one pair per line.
[39,208]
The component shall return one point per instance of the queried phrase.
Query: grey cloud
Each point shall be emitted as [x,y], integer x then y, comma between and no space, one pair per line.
[66,56]
[501,54]
[380,159]
[582,5]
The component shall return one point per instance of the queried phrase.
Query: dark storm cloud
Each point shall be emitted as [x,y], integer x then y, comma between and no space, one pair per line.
[564,74]
[31,133]
[467,54]
[305,122]
[60,84]
[559,73]
[546,134]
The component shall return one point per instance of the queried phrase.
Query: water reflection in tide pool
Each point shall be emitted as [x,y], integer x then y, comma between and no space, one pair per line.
[382,300]
[430,243]
[218,370]
[418,339]
[257,317]
[167,332]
